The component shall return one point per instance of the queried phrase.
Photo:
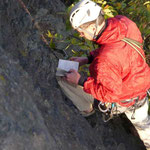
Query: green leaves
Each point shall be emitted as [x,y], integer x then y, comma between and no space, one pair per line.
[53,38]
[49,34]
[147,3]
[52,44]
[136,10]
[109,10]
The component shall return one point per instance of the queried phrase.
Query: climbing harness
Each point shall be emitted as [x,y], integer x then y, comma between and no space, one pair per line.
[110,110]
[135,44]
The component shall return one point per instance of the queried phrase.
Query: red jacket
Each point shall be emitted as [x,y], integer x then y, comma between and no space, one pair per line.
[118,72]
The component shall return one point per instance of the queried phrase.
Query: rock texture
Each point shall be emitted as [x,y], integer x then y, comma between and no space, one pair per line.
[34,113]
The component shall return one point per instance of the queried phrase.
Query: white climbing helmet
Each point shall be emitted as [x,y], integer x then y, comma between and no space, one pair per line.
[83,12]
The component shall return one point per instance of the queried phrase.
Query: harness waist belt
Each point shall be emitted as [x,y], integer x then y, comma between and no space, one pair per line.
[129,100]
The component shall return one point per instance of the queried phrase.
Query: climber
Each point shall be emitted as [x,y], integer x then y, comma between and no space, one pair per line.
[119,75]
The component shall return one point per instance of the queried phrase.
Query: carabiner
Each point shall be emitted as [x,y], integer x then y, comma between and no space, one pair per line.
[102,107]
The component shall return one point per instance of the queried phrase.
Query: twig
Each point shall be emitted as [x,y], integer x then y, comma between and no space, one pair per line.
[80,40]
[36,26]
[76,38]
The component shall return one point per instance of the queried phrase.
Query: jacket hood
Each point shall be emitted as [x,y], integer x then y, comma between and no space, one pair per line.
[116,30]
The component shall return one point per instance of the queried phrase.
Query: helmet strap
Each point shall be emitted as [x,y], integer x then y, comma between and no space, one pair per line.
[96,25]
[102,30]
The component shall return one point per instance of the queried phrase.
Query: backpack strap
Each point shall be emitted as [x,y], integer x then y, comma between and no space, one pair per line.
[134,44]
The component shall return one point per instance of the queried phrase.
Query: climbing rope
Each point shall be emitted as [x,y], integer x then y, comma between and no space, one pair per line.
[134,43]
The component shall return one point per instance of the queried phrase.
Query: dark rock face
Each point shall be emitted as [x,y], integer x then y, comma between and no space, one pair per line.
[34,113]
[21,124]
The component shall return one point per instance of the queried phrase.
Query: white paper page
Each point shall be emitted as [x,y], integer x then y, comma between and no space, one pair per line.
[67,65]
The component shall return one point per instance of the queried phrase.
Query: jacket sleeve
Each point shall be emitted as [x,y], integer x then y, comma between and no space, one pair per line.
[105,83]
